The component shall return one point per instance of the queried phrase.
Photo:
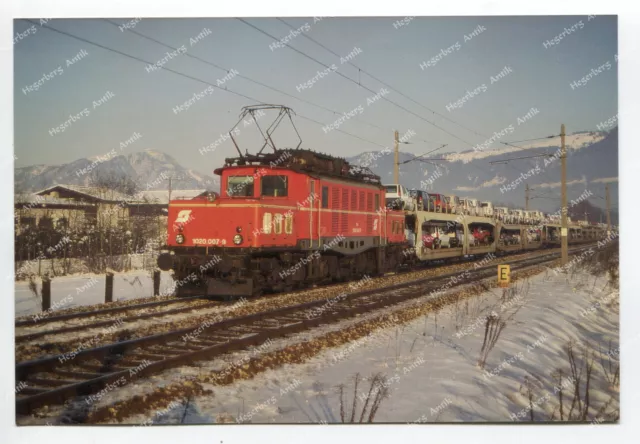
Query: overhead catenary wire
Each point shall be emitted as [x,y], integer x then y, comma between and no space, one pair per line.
[297,98]
[190,77]
[362,86]
[530,140]
[187,54]
[383,82]
[404,95]
[354,81]
[226,89]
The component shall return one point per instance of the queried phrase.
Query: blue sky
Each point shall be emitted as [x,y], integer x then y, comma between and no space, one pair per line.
[143,102]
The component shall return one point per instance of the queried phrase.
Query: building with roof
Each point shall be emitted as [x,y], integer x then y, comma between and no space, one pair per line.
[76,206]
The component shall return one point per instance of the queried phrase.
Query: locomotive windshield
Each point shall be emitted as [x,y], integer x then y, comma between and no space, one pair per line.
[240,186]
[274,186]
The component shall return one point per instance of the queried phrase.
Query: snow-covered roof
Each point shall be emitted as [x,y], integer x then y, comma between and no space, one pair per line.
[95,192]
[34,200]
[162,196]
[141,197]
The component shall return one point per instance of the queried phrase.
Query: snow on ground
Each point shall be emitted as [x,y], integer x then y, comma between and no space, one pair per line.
[88,289]
[430,365]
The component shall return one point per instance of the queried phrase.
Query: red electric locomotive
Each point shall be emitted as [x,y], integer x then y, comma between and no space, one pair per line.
[283,220]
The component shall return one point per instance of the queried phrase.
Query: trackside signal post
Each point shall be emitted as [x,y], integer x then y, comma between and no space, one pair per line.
[504,275]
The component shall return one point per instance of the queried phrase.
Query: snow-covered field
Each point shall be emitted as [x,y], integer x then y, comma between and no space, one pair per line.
[432,372]
[88,289]
[431,364]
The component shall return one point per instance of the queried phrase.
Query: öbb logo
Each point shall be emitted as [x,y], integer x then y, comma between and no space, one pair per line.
[183,216]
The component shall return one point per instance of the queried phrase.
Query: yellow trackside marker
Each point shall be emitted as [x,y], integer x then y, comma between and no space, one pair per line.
[504,275]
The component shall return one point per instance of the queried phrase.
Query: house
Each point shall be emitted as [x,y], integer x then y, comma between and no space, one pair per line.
[75,206]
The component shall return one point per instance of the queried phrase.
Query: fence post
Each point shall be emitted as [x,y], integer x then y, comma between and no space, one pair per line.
[46,293]
[156,282]
[108,289]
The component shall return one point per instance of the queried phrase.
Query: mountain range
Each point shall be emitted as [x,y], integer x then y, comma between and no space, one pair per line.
[489,175]
[496,175]
[151,170]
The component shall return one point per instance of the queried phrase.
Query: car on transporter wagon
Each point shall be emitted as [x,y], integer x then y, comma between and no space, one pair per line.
[421,197]
[397,197]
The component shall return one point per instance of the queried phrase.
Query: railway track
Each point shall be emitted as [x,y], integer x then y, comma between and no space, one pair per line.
[103,311]
[109,321]
[28,324]
[53,380]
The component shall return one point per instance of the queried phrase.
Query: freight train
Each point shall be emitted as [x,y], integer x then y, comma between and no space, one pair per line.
[293,217]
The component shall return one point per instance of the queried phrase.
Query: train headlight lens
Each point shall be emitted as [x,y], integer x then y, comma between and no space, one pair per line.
[237,239]
[180,238]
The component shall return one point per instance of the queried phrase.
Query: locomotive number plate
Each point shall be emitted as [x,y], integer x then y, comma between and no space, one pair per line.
[202,241]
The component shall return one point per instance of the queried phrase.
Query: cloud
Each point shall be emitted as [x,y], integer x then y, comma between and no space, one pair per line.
[498,180]
[572,142]
[605,180]
[465,189]
[494,182]
[557,184]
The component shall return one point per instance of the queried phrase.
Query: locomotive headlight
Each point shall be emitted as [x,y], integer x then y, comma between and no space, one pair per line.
[237,239]
[180,238]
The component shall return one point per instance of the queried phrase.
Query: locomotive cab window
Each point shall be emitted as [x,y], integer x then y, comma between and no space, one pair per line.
[325,197]
[240,186]
[275,186]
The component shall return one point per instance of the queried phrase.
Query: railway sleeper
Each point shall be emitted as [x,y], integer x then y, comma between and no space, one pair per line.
[218,340]
[180,351]
[204,342]
[101,369]
[241,329]
[77,374]
[31,391]
[151,356]
[53,382]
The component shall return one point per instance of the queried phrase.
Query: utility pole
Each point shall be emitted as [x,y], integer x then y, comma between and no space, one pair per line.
[170,189]
[564,230]
[526,198]
[608,210]
[396,160]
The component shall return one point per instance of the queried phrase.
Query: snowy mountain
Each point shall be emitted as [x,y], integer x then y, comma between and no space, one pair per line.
[592,161]
[151,170]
